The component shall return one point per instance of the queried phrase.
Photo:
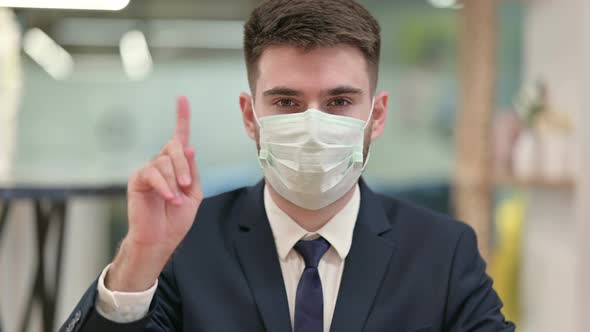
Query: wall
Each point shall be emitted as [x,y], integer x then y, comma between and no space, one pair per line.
[557,263]
[97,126]
[583,206]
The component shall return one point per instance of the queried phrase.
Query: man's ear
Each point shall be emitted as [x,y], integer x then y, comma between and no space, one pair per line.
[248,115]
[379,114]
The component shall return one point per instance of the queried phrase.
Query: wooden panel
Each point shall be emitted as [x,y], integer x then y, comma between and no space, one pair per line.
[473,144]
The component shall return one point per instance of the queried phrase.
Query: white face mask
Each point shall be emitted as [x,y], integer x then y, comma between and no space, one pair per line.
[311,158]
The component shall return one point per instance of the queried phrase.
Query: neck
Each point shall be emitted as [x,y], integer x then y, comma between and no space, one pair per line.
[310,220]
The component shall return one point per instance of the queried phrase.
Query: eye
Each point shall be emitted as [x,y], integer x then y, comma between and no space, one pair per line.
[339,102]
[285,103]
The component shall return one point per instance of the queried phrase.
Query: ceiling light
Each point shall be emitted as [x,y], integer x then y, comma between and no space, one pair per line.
[48,54]
[67,4]
[135,54]
[443,3]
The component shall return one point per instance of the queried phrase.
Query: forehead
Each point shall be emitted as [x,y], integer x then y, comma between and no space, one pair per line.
[310,70]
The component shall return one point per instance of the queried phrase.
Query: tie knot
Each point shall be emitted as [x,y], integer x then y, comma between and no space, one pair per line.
[312,251]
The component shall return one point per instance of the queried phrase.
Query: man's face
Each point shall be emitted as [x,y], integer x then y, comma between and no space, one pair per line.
[334,80]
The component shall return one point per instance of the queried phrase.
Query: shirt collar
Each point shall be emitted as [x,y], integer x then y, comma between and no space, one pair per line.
[338,231]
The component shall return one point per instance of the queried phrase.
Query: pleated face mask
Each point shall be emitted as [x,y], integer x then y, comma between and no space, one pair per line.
[311,158]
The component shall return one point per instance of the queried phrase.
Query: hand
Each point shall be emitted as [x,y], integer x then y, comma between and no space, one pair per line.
[163,199]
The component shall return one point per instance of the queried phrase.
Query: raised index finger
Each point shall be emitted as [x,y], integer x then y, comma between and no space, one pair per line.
[183,120]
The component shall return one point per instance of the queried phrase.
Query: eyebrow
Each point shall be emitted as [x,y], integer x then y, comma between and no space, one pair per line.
[343,90]
[284,91]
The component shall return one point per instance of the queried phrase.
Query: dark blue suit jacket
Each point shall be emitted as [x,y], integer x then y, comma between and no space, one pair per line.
[408,270]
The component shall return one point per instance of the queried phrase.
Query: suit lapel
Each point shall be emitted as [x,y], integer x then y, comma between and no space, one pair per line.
[259,260]
[365,265]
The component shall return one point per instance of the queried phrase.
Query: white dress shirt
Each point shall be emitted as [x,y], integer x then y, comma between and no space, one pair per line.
[126,307]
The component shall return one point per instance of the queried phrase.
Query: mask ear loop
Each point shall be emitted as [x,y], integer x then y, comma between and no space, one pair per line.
[262,154]
[366,161]
[254,111]
[370,113]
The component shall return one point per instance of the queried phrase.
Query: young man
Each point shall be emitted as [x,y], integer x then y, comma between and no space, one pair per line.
[311,248]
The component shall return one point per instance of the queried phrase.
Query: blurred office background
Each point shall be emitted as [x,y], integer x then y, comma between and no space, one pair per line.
[87,96]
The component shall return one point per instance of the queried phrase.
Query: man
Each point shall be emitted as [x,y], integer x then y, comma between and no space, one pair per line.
[310,248]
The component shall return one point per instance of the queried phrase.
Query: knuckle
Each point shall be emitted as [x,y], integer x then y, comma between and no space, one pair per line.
[176,153]
[135,175]
[181,164]
[163,162]
[179,161]
[173,145]
[150,173]
[164,148]
[142,173]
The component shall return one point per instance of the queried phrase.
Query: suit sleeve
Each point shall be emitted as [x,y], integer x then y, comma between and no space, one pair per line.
[164,314]
[472,303]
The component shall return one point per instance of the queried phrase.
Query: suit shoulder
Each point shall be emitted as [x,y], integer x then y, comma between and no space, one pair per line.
[219,207]
[224,198]
[213,222]
[407,216]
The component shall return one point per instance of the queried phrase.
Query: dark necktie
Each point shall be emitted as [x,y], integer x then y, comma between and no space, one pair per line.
[309,301]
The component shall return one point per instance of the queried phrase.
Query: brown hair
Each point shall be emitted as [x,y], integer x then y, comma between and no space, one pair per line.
[310,24]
